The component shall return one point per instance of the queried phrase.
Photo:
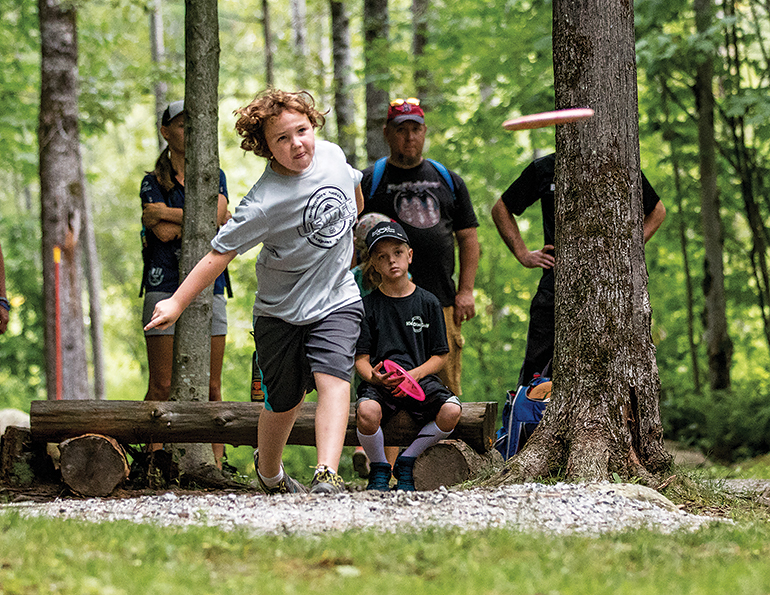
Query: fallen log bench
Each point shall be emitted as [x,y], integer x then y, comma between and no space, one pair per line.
[88,426]
[228,422]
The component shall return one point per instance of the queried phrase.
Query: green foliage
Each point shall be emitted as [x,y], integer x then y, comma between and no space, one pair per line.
[22,374]
[727,426]
[126,559]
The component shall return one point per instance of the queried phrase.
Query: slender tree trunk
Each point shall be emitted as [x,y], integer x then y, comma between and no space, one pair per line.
[420,10]
[694,361]
[192,339]
[61,194]
[269,74]
[682,228]
[94,280]
[719,345]
[344,104]
[745,165]
[604,415]
[158,52]
[376,58]
[299,39]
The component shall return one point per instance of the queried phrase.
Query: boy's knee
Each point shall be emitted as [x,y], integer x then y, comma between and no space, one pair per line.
[448,416]
[368,417]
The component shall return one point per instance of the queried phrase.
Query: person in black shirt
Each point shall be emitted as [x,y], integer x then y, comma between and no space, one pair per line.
[535,183]
[405,324]
[433,205]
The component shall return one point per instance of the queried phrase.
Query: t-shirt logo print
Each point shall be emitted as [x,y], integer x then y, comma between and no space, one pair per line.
[417,324]
[416,205]
[329,214]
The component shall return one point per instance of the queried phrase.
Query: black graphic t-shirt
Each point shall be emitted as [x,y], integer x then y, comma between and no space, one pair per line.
[407,330]
[422,202]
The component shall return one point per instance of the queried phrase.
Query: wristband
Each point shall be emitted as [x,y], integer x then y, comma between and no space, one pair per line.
[4,303]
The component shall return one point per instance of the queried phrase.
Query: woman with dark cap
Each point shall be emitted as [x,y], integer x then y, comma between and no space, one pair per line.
[162,193]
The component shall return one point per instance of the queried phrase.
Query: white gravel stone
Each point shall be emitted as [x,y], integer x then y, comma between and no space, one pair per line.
[588,509]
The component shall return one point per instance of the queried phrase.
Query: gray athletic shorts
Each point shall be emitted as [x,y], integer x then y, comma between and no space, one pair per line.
[288,355]
[218,314]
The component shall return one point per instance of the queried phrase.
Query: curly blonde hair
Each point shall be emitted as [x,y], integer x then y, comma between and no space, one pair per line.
[269,104]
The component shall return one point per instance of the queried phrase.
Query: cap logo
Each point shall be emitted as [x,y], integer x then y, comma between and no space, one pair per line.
[382,230]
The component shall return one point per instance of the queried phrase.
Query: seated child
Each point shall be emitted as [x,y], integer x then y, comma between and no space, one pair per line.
[405,324]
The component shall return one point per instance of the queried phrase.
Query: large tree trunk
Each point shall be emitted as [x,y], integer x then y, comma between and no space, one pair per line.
[719,345]
[376,58]
[604,416]
[192,339]
[344,104]
[61,195]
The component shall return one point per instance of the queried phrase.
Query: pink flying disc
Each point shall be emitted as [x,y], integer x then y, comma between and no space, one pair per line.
[408,385]
[562,116]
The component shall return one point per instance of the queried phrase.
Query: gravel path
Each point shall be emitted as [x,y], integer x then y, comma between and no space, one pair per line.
[589,509]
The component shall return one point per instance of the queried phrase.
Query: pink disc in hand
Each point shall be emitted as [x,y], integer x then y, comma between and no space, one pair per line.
[409,385]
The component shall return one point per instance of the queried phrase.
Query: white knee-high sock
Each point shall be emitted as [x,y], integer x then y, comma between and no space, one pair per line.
[374,446]
[427,437]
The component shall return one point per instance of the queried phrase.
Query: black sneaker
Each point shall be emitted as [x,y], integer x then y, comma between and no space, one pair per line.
[287,485]
[326,481]
[379,477]
[403,472]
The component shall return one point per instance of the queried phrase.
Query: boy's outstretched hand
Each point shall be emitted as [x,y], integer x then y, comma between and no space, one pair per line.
[164,315]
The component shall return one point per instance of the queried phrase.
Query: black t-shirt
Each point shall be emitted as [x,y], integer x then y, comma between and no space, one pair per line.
[421,201]
[408,330]
[536,182]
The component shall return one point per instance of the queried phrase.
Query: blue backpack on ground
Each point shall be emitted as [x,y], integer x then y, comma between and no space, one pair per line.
[521,414]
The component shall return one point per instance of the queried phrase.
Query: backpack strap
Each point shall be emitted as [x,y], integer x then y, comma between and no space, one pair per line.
[379,171]
[441,169]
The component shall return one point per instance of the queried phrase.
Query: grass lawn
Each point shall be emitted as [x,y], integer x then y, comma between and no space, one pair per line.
[67,557]
[52,556]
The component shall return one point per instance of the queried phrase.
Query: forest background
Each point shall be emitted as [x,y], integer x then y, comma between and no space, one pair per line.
[487,61]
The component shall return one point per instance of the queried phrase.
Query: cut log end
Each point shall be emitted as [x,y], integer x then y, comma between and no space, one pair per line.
[92,464]
[451,462]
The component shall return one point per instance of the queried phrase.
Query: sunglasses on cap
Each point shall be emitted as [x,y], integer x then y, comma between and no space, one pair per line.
[409,100]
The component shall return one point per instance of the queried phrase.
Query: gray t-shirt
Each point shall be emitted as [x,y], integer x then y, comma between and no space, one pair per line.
[304,224]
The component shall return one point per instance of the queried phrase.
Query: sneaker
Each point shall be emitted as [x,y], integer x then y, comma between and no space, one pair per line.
[403,472]
[287,485]
[361,464]
[379,477]
[326,482]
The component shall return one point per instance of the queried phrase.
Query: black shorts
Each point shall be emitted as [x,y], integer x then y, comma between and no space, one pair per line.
[288,354]
[423,412]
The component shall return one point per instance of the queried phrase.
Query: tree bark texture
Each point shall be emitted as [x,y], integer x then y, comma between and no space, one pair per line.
[299,41]
[377,70]
[94,281]
[61,195]
[139,422]
[344,104]
[451,462]
[93,465]
[604,415]
[268,36]
[158,53]
[718,343]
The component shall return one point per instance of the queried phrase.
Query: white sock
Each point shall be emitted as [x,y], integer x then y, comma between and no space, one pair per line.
[320,469]
[271,482]
[374,446]
[431,434]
